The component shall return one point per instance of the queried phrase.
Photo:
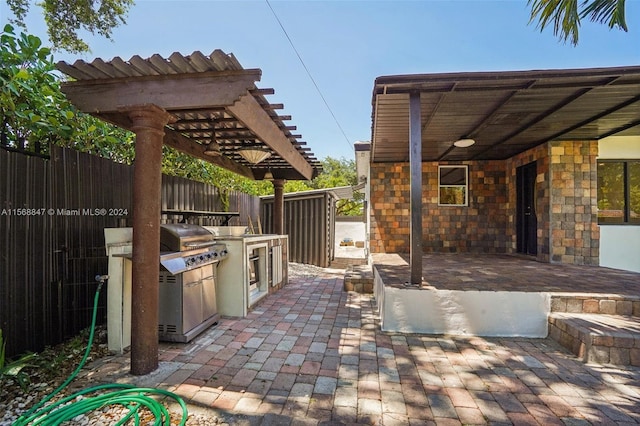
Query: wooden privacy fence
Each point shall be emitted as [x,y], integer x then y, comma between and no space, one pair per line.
[52,218]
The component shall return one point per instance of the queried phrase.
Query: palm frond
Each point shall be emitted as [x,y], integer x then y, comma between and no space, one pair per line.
[610,12]
[563,14]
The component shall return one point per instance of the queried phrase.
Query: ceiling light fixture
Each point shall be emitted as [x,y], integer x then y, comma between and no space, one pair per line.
[464,142]
[268,175]
[254,155]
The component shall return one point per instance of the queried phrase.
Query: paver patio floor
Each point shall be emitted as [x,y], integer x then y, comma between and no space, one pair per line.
[314,354]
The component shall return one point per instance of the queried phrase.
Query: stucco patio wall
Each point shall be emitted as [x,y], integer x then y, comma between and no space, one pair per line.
[461,313]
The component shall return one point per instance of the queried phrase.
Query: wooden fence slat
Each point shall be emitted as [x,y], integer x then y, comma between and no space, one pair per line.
[48,262]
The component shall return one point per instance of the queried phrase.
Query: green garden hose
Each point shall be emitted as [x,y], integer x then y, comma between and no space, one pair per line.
[127,396]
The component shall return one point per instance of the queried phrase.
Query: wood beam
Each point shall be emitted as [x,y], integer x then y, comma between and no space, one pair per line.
[217,130]
[183,91]
[278,206]
[186,145]
[266,91]
[253,116]
[187,121]
[190,131]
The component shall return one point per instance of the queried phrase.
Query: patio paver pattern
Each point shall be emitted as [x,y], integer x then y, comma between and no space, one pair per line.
[314,354]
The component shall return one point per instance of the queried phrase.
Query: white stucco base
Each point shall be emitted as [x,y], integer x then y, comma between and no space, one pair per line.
[454,312]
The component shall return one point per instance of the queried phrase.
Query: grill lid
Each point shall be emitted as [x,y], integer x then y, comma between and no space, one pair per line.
[184,236]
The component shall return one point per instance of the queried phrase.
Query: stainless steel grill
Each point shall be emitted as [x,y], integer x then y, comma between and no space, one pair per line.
[184,247]
[189,258]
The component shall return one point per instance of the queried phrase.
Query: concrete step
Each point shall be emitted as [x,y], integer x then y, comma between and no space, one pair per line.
[359,278]
[346,262]
[598,338]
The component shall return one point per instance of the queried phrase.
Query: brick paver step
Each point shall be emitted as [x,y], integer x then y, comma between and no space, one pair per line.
[598,338]
[359,278]
[594,303]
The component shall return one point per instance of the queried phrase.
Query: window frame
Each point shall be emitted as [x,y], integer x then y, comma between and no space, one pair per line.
[626,188]
[465,187]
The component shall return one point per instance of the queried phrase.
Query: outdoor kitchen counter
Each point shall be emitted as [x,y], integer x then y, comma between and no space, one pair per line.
[256,265]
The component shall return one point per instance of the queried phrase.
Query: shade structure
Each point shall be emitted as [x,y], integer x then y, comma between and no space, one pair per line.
[211,97]
[505,112]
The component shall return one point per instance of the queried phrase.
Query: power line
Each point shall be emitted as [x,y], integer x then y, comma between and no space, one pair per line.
[310,76]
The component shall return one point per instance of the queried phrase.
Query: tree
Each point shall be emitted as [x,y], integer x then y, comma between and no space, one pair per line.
[565,15]
[35,113]
[337,173]
[65,18]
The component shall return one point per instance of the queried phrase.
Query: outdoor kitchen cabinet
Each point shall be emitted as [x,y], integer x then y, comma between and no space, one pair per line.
[247,274]
[187,304]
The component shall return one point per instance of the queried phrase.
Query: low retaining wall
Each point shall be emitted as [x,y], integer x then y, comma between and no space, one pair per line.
[479,313]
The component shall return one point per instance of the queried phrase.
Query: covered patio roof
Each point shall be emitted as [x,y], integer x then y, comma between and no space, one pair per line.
[504,112]
[214,103]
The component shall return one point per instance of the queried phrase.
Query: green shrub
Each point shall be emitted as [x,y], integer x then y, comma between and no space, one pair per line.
[13,369]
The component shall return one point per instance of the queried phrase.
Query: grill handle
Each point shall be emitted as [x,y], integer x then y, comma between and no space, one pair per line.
[200,245]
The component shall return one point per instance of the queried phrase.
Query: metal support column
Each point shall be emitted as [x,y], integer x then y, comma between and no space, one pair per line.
[415,166]
[148,124]
[278,206]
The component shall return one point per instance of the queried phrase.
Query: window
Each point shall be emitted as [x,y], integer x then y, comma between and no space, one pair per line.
[619,192]
[452,185]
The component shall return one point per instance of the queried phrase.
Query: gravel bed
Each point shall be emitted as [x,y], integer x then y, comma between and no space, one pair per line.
[301,270]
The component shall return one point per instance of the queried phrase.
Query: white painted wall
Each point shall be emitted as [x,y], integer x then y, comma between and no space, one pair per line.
[468,313]
[619,148]
[620,245]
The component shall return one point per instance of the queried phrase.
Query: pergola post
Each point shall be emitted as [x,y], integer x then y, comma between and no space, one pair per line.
[148,124]
[278,206]
[415,205]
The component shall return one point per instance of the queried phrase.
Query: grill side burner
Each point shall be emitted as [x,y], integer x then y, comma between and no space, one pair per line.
[189,261]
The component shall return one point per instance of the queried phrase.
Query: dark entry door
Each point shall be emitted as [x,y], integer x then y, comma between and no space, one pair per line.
[526,221]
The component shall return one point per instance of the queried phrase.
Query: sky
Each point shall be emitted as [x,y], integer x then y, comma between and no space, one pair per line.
[345,45]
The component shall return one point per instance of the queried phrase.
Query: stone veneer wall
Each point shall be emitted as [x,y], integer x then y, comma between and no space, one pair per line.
[476,228]
[566,200]
[575,234]
[539,155]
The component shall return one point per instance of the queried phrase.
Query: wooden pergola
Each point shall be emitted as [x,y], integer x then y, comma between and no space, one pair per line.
[205,106]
